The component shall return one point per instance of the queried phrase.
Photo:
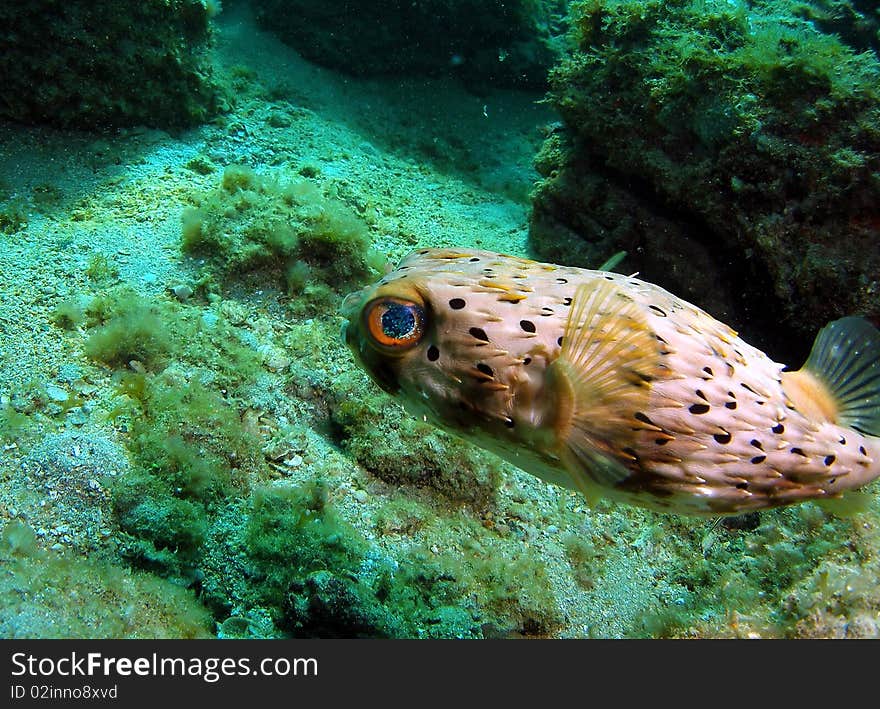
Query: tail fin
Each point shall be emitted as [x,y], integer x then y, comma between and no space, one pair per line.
[846,359]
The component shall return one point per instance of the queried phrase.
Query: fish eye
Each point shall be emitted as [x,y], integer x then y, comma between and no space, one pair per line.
[394,323]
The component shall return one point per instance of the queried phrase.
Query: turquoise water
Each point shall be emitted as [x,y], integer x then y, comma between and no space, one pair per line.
[189,449]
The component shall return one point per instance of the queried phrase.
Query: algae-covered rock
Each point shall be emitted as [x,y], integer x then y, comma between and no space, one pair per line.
[484,41]
[731,149]
[256,225]
[100,63]
[47,595]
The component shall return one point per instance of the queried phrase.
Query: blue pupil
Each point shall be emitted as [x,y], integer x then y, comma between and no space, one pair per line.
[398,321]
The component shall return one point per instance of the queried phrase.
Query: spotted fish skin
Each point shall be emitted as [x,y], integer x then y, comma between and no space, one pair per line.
[603,383]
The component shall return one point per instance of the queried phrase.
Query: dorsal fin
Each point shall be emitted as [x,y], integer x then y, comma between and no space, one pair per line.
[846,359]
[600,380]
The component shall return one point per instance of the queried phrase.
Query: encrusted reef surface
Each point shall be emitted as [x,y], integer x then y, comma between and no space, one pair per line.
[731,147]
[187,448]
[486,42]
[99,63]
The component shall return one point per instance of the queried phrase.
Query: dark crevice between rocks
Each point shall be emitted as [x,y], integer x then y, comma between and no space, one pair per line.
[668,245]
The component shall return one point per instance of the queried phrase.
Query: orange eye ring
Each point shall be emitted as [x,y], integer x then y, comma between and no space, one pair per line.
[394,324]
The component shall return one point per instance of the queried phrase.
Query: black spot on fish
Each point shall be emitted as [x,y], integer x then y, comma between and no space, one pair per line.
[508,422]
[698,409]
[730,405]
[798,451]
[778,429]
[862,450]
[457,303]
[842,441]
[756,443]
[743,485]
[708,370]
[748,388]
[479,333]
[829,459]
[641,376]
[527,360]
[658,311]
[486,369]
[832,481]
[722,438]
[559,340]
[639,416]
[759,459]
[701,395]
[566,301]
[562,280]
[474,259]
[630,452]
[527,325]
[433,354]
[662,441]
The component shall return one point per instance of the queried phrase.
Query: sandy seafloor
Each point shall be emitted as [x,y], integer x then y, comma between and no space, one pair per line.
[434,165]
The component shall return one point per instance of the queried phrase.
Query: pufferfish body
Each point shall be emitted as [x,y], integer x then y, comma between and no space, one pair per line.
[609,385]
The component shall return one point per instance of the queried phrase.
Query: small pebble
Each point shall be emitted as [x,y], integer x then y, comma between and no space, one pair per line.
[57,393]
[182,292]
[69,373]
[77,417]
[359,495]
[277,362]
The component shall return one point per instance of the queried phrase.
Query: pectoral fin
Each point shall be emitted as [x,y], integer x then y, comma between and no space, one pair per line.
[601,378]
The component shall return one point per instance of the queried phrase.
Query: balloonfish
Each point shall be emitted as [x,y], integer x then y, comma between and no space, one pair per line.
[611,386]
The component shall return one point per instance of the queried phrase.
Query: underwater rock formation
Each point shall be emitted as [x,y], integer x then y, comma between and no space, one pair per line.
[92,64]
[732,152]
[495,42]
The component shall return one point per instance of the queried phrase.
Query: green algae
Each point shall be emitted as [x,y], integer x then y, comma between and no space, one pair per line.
[752,582]
[49,595]
[401,450]
[311,244]
[13,217]
[146,63]
[101,270]
[123,327]
[128,328]
[291,558]
[661,99]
